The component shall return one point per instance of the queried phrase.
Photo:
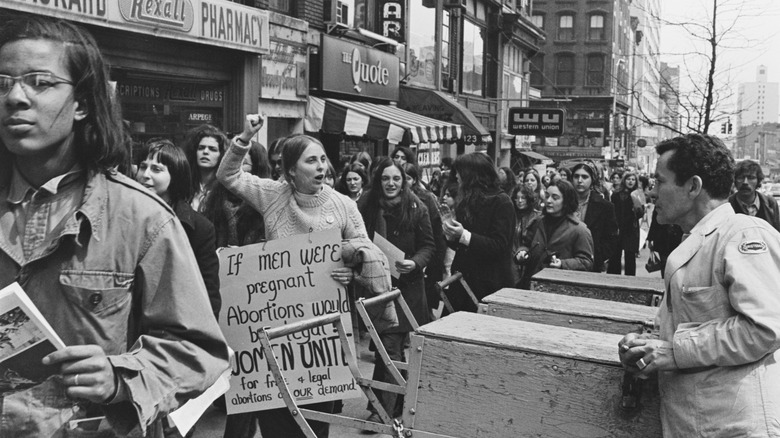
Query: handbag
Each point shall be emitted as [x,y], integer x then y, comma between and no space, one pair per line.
[654,262]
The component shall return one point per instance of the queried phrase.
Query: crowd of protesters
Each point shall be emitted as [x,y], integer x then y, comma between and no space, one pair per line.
[111,238]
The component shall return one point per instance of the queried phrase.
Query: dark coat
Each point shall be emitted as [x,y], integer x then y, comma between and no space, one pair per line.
[435,269]
[602,223]
[486,264]
[570,241]
[200,233]
[627,221]
[768,210]
[416,241]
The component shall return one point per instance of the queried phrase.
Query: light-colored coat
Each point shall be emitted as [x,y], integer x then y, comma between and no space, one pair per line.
[721,313]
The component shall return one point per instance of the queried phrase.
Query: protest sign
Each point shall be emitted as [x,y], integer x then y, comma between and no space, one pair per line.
[275,283]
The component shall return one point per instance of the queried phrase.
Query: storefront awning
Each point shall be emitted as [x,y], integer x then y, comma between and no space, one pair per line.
[378,122]
[535,156]
[440,106]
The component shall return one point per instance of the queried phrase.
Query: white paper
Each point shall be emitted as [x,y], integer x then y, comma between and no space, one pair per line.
[392,253]
[187,415]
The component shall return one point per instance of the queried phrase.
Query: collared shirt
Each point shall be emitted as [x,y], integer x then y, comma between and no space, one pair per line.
[39,212]
[753,207]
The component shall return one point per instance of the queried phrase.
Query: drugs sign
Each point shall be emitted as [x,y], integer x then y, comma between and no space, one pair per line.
[532,121]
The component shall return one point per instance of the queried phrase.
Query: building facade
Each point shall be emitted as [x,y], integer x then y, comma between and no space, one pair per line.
[585,68]
[757,102]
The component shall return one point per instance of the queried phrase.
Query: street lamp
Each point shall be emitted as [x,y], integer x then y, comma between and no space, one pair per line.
[614,104]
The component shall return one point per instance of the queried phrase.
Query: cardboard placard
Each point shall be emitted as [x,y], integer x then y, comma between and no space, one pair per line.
[271,284]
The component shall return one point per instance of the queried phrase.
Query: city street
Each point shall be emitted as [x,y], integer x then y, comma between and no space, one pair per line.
[213,422]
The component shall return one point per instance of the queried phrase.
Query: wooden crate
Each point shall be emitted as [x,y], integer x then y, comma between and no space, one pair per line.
[611,287]
[569,311]
[482,376]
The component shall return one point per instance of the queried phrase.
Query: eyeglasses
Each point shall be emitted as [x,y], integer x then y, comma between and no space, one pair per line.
[35,82]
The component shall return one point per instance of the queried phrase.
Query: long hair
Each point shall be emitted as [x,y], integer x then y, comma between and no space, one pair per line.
[180,188]
[570,202]
[261,166]
[408,153]
[529,195]
[191,143]
[99,138]
[341,186]
[509,184]
[478,181]
[372,205]
[624,187]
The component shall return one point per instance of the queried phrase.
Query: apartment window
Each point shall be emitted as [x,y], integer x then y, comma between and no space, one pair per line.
[538,20]
[473,54]
[596,27]
[286,7]
[595,75]
[537,71]
[445,48]
[564,70]
[566,27]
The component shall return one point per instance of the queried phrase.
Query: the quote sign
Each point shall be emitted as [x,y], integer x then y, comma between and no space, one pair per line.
[275,283]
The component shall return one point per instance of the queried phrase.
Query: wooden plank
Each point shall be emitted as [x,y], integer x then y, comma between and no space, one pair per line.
[569,311]
[482,376]
[621,288]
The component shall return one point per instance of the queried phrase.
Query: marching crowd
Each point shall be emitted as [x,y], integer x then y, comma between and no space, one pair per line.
[126,270]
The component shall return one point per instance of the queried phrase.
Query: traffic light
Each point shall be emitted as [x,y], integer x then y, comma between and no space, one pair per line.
[723,128]
[729,127]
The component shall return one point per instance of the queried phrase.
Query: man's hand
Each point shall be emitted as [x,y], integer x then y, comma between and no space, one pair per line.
[86,372]
[642,355]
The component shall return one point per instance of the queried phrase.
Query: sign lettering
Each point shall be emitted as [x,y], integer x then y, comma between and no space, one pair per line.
[272,284]
[531,121]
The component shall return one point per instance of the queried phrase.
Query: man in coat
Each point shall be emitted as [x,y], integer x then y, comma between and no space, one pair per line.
[717,354]
[748,200]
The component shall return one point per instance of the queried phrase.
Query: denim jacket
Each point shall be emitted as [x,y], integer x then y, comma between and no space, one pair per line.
[120,274]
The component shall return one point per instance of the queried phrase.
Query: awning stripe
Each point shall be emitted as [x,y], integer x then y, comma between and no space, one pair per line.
[379,122]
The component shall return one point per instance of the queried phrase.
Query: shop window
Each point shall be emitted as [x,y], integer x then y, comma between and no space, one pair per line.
[595,75]
[596,27]
[538,20]
[473,54]
[564,74]
[537,71]
[566,27]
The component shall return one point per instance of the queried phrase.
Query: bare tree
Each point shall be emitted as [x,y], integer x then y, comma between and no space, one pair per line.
[706,92]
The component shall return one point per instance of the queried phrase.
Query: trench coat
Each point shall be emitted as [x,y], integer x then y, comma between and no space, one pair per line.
[720,314]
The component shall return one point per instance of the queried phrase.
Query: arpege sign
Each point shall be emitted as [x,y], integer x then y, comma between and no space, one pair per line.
[357,70]
[532,121]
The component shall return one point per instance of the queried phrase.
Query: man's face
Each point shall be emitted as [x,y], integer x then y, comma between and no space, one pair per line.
[673,203]
[37,123]
[746,183]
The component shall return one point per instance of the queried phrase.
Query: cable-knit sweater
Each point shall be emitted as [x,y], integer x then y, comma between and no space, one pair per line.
[286,211]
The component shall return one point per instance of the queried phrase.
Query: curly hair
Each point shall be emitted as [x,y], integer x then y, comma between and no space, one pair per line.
[704,156]
[478,181]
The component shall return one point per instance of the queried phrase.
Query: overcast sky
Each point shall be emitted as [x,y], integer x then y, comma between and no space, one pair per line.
[754,37]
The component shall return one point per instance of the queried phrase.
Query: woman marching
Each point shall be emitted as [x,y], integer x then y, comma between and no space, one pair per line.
[627,212]
[205,146]
[165,171]
[559,240]
[481,232]
[391,209]
[300,202]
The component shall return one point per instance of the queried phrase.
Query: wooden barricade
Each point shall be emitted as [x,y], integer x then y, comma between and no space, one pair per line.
[479,376]
[569,311]
[611,287]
